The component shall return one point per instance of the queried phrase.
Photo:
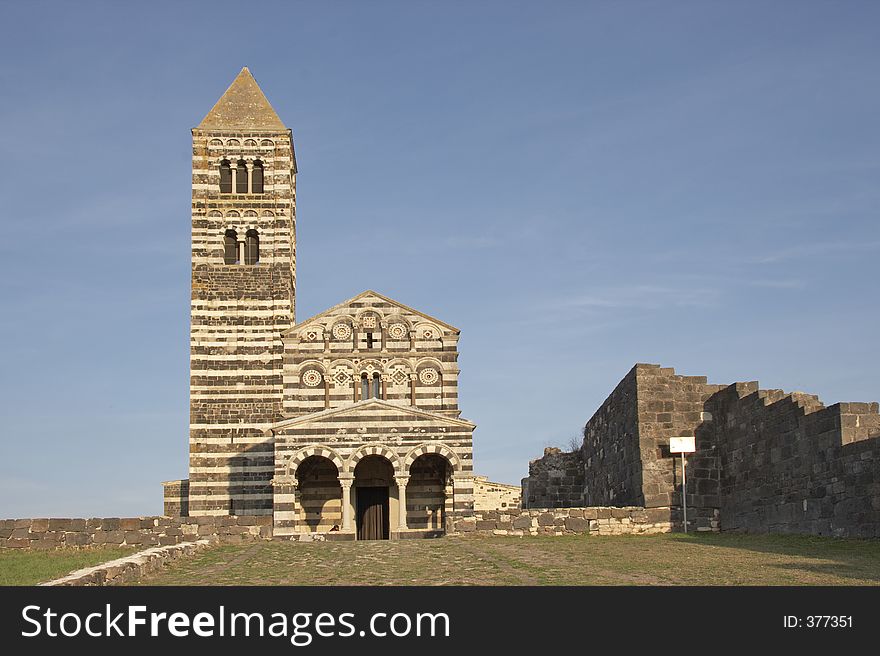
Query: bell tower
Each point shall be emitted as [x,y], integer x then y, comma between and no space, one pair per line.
[243,299]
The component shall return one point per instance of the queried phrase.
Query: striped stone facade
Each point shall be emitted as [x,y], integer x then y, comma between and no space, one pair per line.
[371,378]
[239,310]
[291,420]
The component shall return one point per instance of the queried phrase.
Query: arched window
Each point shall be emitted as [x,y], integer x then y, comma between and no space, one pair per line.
[257,180]
[365,387]
[376,393]
[225,177]
[241,177]
[230,247]
[251,247]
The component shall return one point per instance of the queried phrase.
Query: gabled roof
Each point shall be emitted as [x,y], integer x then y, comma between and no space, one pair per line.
[364,294]
[356,408]
[242,107]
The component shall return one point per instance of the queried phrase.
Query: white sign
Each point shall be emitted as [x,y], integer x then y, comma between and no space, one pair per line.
[682,445]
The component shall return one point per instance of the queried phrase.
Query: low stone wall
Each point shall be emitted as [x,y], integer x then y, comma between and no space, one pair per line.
[129,568]
[569,521]
[49,533]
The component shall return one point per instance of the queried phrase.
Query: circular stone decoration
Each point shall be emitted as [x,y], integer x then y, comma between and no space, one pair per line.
[311,378]
[342,331]
[428,376]
[397,331]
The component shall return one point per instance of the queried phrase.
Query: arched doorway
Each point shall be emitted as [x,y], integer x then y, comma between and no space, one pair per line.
[373,478]
[429,492]
[320,495]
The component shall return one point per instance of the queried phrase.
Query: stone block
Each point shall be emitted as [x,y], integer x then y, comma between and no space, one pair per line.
[466,525]
[130,523]
[546,519]
[78,539]
[522,522]
[39,525]
[577,524]
[115,537]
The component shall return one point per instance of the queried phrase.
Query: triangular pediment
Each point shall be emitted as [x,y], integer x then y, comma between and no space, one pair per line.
[368,410]
[244,107]
[355,301]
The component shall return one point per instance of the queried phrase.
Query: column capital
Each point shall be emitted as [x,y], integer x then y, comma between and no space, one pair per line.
[346,481]
[401,480]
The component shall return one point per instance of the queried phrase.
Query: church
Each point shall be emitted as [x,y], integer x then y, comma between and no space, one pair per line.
[345,425]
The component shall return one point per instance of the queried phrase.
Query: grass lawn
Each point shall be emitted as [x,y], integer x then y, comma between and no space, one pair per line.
[671,559]
[25,567]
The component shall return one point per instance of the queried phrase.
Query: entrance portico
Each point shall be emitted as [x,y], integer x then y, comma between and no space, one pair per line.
[389,472]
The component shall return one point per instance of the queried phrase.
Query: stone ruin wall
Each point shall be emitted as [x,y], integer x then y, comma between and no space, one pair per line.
[788,464]
[766,461]
[612,468]
[554,481]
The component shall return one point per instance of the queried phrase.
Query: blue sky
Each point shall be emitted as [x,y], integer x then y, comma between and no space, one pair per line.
[577,186]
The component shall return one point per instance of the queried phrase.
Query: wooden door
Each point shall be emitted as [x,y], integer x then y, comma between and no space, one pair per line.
[372,513]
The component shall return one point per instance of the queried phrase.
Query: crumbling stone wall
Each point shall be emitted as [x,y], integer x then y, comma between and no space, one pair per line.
[765,461]
[789,464]
[554,481]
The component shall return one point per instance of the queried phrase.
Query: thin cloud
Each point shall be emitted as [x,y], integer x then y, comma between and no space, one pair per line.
[817,249]
[642,297]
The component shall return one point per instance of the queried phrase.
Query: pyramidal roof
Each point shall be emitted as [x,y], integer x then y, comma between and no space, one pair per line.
[242,107]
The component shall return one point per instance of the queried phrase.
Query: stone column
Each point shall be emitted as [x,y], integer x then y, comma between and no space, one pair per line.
[346,483]
[412,389]
[401,501]
[285,507]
